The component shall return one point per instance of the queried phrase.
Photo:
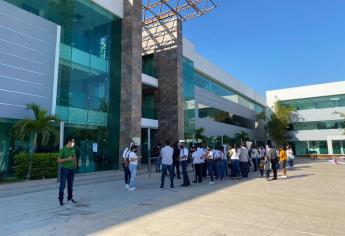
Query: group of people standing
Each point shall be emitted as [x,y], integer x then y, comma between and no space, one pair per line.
[216,163]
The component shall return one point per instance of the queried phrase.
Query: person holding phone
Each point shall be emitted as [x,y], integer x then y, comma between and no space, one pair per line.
[133,165]
[67,160]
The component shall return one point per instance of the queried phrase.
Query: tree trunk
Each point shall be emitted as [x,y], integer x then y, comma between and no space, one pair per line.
[32,151]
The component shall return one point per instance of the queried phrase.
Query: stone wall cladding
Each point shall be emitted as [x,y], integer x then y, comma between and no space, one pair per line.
[131,69]
[170,91]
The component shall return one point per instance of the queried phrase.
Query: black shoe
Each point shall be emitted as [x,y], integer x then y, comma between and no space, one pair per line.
[61,203]
[72,200]
[172,186]
[195,181]
[161,187]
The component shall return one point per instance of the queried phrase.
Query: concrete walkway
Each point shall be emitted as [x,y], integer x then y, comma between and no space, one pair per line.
[310,202]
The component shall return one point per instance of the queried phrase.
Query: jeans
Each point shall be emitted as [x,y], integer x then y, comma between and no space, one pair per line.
[133,170]
[291,162]
[235,167]
[158,162]
[204,169]
[66,175]
[210,167]
[268,174]
[185,172]
[261,172]
[165,169]
[244,169]
[255,163]
[176,165]
[219,169]
[198,172]
[274,169]
[127,173]
[225,167]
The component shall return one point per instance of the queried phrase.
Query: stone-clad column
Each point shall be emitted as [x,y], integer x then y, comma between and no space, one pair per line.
[170,91]
[131,69]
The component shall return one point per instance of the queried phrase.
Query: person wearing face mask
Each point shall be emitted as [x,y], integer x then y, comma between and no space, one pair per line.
[184,163]
[125,163]
[133,164]
[67,160]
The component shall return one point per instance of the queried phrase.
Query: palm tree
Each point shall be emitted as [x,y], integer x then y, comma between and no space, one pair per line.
[243,136]
[41,126]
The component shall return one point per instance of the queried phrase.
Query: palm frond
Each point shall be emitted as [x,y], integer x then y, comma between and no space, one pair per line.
[35,109]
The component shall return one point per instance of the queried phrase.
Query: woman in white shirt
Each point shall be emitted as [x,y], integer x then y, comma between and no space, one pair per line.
[290,156]
[235,162]
[133,164]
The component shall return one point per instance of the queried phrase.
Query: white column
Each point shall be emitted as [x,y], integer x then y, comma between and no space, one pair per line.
[330,146]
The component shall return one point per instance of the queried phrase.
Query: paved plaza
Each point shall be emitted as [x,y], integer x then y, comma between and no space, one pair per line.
[310,202]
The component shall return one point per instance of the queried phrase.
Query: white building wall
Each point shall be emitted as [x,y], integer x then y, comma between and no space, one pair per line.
[318,90]
[203,65]
[114,6]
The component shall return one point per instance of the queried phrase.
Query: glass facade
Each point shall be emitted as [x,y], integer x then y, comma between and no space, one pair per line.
[224,117]
[318,125]
[311,147]
[338,146]
[192,78]
[189,98]
[149,67]
[317,102]
[207,83]
[88,96]
[149,108]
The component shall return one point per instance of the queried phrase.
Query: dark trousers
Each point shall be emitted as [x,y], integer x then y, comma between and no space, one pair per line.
[210,166]
[184,165]
[244,169]
[198,172]
[235,168]
[66,175]
[268,174]
[261,172]
[255,163]
[204,169]
[165,169]
[290,162]
[127,173]
[176,165]
[274,169]
[219,171]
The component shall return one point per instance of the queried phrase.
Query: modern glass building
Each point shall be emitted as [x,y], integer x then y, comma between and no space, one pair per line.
[317,127]
[85,61]
[217,102]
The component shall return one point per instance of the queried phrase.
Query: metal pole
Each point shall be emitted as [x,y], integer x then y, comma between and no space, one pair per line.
[149,150]
[62,132]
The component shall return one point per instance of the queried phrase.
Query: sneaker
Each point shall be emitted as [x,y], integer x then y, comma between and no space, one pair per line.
[61,203]
[132,189]
[72,200]
[211,182]
[172,186]
[161,187]
[126,186]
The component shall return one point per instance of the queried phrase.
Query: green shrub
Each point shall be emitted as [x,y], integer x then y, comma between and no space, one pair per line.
[44,165]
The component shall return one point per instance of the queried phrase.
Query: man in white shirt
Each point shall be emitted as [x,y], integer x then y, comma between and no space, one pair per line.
[198,160]
[167,164]
[184,163]
[244,158]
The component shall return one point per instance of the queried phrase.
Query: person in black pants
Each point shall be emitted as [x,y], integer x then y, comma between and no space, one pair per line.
[176,160]
[184,164]
[272,154]
[198,157]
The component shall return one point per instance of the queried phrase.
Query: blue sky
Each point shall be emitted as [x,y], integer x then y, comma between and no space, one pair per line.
[272,44]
